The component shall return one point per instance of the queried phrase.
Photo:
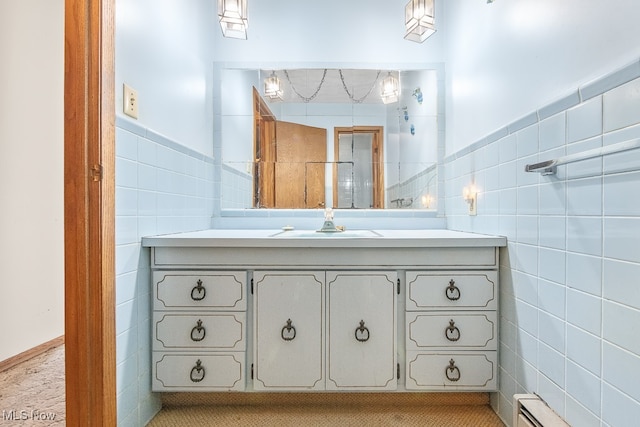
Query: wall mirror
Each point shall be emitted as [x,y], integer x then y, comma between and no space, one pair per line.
[328,137]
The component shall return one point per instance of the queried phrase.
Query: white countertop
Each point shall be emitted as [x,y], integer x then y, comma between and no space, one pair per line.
[264,238]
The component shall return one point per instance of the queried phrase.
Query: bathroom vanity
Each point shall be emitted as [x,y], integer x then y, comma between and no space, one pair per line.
[272,310]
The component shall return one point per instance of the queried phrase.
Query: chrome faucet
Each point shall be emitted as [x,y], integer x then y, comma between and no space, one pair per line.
[328,226]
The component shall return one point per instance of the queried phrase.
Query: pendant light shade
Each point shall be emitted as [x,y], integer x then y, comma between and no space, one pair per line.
[419,20]
[272,87]
[390,90]
[232,15]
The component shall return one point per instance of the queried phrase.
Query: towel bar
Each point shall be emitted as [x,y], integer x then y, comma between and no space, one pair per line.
[548,167]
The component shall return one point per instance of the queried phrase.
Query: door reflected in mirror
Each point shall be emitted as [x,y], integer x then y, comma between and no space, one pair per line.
[325,138]
[359,172]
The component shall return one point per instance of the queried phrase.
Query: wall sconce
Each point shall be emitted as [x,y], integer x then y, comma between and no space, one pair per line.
[272,87]
[232,15]
[419,20]
[470,195]
[390,90]
[427,199]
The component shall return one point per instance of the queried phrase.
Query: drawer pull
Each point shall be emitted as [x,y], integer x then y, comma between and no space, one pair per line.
[198,292]
[452,371]
[362,332]
[198,332]
[290,333]
[452,291]
[197,372]
[452,332]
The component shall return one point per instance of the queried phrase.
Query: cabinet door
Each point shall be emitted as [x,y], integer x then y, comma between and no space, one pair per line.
[289,330]
[361,331]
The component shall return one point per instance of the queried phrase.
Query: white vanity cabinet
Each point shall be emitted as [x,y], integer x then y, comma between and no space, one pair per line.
[361,331]
[288,330]
[451,330]
[199,330]
[243,310]
[331,330]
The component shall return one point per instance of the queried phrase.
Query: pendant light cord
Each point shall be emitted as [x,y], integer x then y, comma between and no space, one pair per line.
[358,101]
[305,98]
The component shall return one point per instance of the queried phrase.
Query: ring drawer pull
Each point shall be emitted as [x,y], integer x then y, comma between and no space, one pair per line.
[452,371]
[452,332]
[197,372]
[362,332]
[198,332]
[198,292]
[290,333]
[452,291]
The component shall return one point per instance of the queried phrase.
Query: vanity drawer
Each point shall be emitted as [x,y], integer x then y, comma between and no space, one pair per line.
[201,372]
[467,331]
[452,290]
[221,332]
[451,371]
[193,290]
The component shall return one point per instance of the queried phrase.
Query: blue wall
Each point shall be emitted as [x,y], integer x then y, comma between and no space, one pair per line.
[515,93]
[164,166]
[161,187]
[569,301]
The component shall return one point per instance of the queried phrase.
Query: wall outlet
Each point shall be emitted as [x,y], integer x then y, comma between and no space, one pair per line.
[130,101]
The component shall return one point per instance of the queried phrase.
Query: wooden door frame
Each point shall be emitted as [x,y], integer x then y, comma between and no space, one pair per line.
[89,213]
[263,153]
[377,161]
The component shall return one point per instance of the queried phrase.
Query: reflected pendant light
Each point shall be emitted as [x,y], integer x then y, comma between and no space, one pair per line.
[272,87]
[390,90]
[419,20]
[232,15]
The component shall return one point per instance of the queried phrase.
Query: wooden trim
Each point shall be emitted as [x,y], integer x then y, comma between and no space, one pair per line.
[261,106]
[263,153]
[336,158]
[377,162]
[89,186]
[31,353]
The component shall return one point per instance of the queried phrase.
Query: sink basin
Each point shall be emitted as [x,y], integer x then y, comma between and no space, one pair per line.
[321,234]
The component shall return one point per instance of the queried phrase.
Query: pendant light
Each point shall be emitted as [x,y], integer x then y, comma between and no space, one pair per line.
[232,15]
[272,87]
[390,89]
[419,20]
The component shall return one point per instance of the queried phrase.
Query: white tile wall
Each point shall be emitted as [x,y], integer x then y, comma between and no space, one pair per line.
[570,300]
[160,188]
[236,189]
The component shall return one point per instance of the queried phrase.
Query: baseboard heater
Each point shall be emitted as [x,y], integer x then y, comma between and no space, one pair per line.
[529,410]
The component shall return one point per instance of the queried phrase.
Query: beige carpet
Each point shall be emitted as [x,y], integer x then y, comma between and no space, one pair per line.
[32,393]
[35,390]
[348,409]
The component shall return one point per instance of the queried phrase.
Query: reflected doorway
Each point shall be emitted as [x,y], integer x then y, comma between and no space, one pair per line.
[358,177]
[290,159]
